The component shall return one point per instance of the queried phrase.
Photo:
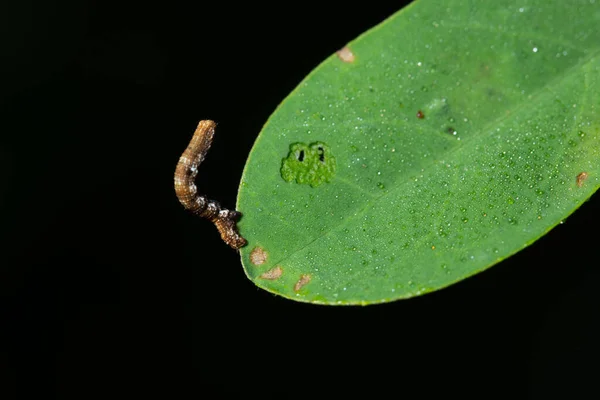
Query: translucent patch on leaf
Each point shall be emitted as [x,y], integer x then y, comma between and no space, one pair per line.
[308,164]
[272,274]
[258,256]
[304,279]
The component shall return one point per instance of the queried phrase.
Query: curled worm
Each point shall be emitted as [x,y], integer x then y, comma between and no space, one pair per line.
[185,174]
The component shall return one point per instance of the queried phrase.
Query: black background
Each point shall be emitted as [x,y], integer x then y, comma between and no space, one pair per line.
[109,288]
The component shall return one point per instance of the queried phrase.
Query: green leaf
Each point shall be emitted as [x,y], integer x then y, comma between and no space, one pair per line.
[456,134]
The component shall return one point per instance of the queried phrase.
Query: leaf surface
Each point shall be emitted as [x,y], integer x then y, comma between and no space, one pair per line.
[451,136]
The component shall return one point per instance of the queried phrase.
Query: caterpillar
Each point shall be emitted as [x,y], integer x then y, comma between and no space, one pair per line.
[185,188]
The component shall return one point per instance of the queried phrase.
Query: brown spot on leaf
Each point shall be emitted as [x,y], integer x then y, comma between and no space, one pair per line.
[345,54]
[581,178]
[272,274]
[420,114]
[304,279]
[258,256]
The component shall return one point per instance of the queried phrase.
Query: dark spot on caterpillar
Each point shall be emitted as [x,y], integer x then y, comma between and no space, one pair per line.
[272,274]
[420,114]
[185,189]
[581,178]
[301,156]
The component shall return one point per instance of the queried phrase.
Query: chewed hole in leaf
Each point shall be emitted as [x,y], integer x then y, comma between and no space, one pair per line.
[258,256]
[345,54]
[581,178]
[303,281]
[272,274]
[321,153]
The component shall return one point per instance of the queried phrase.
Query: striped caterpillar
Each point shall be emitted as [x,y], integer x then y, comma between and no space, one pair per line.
[185,174]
